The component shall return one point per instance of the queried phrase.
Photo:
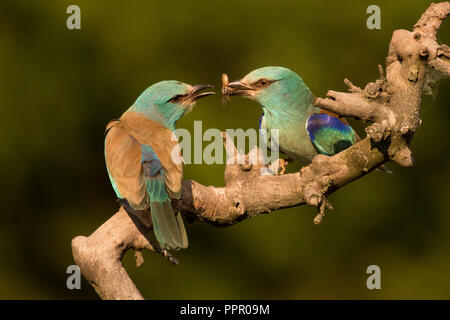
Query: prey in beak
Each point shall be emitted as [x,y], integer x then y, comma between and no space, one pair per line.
[235,88]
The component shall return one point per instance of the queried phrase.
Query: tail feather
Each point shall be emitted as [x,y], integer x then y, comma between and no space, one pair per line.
[184,238]
[168,228]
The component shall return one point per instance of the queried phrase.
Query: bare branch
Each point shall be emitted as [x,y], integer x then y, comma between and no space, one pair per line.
[432,18]
[442,60]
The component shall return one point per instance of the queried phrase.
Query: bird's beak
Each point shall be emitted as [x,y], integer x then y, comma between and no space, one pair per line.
[235,88]
[239,86]
[197,92]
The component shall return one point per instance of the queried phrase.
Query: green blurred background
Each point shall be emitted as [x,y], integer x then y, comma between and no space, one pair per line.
[59,88]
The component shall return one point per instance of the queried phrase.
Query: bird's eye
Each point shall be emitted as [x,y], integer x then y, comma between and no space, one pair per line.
[263,83]
[176,98]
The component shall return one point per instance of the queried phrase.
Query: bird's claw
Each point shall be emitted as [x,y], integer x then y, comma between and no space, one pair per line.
[282,164]
[278,167]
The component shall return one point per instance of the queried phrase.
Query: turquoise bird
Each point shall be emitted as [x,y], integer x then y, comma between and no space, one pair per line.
[288,105]
[143,157]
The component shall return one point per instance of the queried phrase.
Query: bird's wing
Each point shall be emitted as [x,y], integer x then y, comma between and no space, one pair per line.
[167,226]
[123,162]
[343,119]
[265,132]
[164,144]
[262,122]
[384,168]
[329,134]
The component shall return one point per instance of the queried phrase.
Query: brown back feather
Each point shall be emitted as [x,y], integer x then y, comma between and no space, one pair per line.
[163,142]
[123,160]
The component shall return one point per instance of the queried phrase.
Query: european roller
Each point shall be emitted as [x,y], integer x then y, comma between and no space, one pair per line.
[288,105]
[143,157]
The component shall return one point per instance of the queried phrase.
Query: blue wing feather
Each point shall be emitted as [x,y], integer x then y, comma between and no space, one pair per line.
[328,134]
[168,227]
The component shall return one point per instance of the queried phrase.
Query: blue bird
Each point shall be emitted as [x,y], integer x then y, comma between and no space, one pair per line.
[288,105]
[143,158]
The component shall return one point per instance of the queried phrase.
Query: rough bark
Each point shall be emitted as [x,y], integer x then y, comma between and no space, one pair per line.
[415,63]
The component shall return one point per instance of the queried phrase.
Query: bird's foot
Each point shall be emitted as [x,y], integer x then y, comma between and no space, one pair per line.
[278,167]
[282,166]
[123,202]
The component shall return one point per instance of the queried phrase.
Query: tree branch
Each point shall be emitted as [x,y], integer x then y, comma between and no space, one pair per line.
[391,103]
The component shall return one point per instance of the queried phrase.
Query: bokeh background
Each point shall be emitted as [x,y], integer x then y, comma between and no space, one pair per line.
[59,88]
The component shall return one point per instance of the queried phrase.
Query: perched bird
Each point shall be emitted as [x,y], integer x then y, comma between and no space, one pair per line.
[143,157]
[288,105]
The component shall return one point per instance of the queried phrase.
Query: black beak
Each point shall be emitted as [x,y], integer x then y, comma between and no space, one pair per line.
[198,93]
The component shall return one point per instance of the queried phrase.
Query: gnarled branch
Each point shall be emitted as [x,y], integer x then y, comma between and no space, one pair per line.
[391,103]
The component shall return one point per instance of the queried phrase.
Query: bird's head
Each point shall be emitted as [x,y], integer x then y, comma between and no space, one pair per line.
[167,101]
[275,88]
